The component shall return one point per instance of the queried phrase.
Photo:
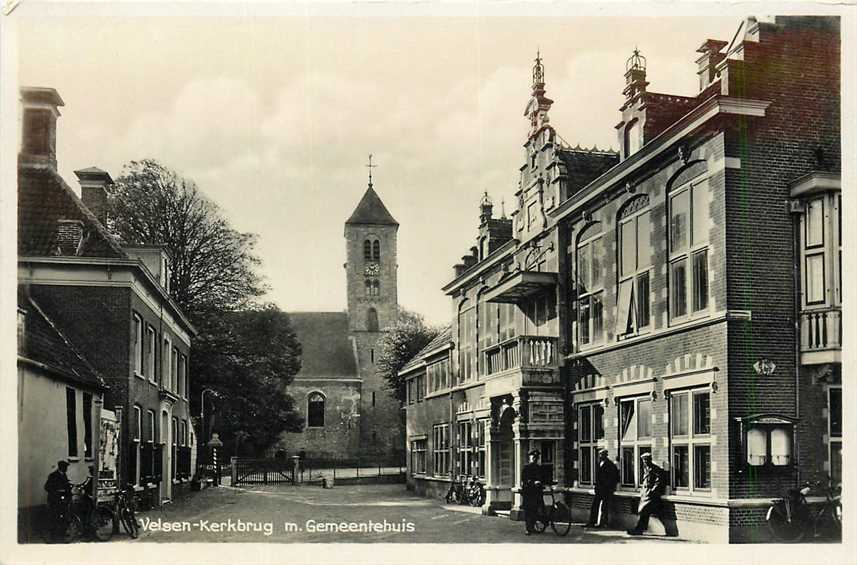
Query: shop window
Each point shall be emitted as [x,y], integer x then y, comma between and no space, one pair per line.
[590,287]
[635,262]
[315,410]
[481,429]
[688,244]
[690,440]
[634,437]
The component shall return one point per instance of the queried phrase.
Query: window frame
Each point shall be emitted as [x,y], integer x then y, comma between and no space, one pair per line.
[440,450]
[588,293]
[687,254]
[418,456]
[136,440]
[628,324]
[166,364]
[637,445]
[834,439]
[691,440]
[150,424]
[137,344]
[464,447]
[71,423]
[309,400]
[151,353]
[589,442]
[88,454]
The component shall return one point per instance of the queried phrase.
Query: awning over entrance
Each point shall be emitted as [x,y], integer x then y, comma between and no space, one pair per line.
[520,286]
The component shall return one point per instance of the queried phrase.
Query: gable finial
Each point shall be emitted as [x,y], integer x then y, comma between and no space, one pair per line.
[370,166]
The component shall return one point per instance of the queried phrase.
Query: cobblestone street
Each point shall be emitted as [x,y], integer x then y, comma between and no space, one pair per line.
[303,515]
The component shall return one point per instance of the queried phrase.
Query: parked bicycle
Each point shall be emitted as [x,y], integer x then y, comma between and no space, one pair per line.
[123,508]
[80,517]
[791,517]
[470,492]
[557,515]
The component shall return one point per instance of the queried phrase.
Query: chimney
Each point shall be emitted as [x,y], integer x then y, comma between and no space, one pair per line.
[69,237]
[635,75]
[93,191]
[708,61]
[469,260]
[39,113]
[459,269]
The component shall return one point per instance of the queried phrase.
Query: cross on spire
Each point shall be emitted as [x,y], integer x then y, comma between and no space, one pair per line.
[370,166]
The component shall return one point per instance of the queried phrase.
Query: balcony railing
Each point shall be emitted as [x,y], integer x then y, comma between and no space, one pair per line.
[522,352]
[821,330]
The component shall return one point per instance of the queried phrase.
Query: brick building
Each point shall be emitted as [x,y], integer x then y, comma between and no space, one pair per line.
[681,297]
[347,408]
[111,302]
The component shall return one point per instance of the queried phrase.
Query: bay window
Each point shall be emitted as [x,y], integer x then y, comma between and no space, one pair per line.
[688,244]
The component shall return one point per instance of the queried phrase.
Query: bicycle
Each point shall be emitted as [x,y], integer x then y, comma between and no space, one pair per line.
[123,508]
[80,516]
[791,517]
[557,515]
[476,492]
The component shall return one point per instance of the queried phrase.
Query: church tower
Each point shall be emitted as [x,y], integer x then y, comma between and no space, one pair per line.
[370,236]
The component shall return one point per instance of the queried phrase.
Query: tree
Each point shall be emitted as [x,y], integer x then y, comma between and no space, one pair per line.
[246,353]
[213,265]
[249,357]
[398,345]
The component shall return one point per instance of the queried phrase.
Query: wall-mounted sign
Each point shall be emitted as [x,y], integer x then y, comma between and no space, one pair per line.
[764,367]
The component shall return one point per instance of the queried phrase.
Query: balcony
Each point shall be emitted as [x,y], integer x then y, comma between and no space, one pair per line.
[535,357]
[521,285]
[821,336]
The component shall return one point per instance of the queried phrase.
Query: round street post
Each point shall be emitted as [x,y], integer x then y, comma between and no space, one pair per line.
[213,444]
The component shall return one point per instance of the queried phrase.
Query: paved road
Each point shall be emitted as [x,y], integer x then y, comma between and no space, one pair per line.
[362,513]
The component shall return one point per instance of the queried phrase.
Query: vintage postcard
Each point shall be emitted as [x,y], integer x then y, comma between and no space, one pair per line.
[331,282]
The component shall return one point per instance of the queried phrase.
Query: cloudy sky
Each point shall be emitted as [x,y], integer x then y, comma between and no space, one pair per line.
[274,118]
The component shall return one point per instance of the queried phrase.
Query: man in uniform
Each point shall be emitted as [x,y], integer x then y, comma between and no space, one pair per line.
[651,489]
[531,491]
[606,479]
[58,487]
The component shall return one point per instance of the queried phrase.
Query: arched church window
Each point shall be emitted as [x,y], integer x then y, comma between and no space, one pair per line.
[367,250]
[372,320]
[376,288]
[376,251]
[315,410]
[368,287]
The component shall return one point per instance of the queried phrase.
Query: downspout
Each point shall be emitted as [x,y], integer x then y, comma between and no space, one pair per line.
[797,304]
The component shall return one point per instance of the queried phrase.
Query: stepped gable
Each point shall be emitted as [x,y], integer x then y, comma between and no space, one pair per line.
[325,345]
[44,199]
[371,210]
[45,344]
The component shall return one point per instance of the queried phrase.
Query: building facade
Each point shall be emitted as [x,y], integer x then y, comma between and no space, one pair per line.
[111,302]
[681,297]
[348,410]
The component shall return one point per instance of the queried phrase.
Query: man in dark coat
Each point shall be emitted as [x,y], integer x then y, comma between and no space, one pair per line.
[58,487]
[651,489]
[606,479]
[531,491]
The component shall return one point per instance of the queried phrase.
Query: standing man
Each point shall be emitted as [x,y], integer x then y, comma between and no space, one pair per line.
[531,491]
[606,479]
[651,489]
[58,487]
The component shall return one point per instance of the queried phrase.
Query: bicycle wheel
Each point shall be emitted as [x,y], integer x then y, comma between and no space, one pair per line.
[452,496]
[828,524]
[73,529]
[560,518]
[477,498]
[781,528]
[102,522]
[129,521]
[541,522]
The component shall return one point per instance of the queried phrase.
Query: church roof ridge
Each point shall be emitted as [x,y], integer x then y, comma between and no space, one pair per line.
[371,210]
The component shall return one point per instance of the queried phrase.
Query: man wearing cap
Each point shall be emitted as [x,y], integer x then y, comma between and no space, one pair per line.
[606,479]
[531,491]
[651,489]
[57,486]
